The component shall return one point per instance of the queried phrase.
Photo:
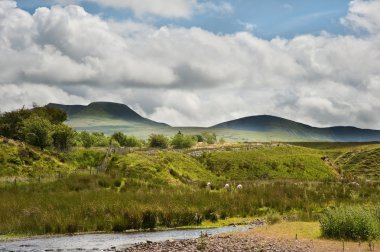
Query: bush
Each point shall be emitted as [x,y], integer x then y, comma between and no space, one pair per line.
[158,141]
[273,218]
[149,220]
[181,141]
[36,131]
[352,223]
[63,137]
[209,138]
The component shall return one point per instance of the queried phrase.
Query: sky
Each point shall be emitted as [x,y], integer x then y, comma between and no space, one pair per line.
[197,62]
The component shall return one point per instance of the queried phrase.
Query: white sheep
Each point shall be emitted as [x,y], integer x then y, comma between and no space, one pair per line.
[208,186]
[227,186]
[239,187]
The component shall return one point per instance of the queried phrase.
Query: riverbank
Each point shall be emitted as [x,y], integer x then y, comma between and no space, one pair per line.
[287,236]
[234,221]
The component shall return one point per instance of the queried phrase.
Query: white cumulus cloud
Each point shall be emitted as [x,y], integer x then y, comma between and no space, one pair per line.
[189,76]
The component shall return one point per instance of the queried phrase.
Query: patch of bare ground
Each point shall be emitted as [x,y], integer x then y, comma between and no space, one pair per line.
[287,236]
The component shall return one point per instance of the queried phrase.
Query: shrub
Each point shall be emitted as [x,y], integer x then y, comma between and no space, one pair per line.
[36,131]
[149,220]
[62,136]
[209,138]
[158,141]
[180,141]
[352,223]
[273,218]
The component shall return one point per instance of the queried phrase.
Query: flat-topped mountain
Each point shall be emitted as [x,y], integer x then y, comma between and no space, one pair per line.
[109,117]
[109,110]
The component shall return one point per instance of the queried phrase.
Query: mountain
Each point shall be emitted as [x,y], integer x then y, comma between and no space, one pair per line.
[103,110]
[109,117]
[273,124]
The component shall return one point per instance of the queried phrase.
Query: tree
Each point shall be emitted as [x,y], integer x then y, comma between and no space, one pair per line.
[37,131]
[158,141]
[86,139]
[119,137]
[180,141]
[198,138]
[11,123]
[132,141]
[99,139]
[62,136]
[54,115]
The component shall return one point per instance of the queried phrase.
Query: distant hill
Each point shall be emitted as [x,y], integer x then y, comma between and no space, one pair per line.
[267,123]
[109,117]
[103,110]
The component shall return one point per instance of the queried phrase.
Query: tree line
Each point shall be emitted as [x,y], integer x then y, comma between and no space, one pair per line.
[44,127]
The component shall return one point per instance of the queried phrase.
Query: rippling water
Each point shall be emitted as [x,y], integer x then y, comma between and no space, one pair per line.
[104,242]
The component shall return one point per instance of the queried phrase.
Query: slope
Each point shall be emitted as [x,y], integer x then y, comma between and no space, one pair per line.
[267,123]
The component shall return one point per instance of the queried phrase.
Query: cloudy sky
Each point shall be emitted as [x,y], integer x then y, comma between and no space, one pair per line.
[197,62]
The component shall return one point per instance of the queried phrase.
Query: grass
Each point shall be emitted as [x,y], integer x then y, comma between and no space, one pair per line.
[355,161]
[82,203]
[291,230]
[285,162]
[145,189]
[351,223]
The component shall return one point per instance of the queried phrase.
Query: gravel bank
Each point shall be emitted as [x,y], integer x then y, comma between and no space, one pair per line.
[225,243]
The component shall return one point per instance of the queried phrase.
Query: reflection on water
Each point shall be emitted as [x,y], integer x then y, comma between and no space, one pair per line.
[101,242]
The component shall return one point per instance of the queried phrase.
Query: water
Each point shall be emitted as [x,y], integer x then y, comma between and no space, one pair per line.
[103,242]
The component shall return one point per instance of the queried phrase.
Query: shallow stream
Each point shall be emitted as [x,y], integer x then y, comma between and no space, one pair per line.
[107,242]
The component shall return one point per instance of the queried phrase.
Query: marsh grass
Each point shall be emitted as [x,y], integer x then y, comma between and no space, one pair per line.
[81,203]
[356,223]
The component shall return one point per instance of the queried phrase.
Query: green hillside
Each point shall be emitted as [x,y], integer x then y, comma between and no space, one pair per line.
[283,162]
[267,123]
[352,160]
[19,159]
[62,192]
[162,167]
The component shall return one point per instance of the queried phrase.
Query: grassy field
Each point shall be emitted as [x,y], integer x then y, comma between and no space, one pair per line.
[360,161]
[48,192]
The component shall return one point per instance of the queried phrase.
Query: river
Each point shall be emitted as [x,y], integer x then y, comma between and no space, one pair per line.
[107,242]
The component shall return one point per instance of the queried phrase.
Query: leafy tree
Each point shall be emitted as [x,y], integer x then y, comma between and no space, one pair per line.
[11,123]
[198,138]
[99,139]
[119,137]
[132,141]
[180,141]
[36,131]
[62,136]
[54,115]
[86,139]
[158,141]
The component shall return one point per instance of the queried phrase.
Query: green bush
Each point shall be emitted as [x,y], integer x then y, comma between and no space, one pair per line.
[352,223]
[273,218]
[181,141]
[158,141]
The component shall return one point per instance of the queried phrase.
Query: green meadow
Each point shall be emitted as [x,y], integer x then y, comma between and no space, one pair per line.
[49,192]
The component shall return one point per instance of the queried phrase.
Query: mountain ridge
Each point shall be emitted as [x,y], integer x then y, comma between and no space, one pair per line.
[268,123]
[104,109]
[108,116]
